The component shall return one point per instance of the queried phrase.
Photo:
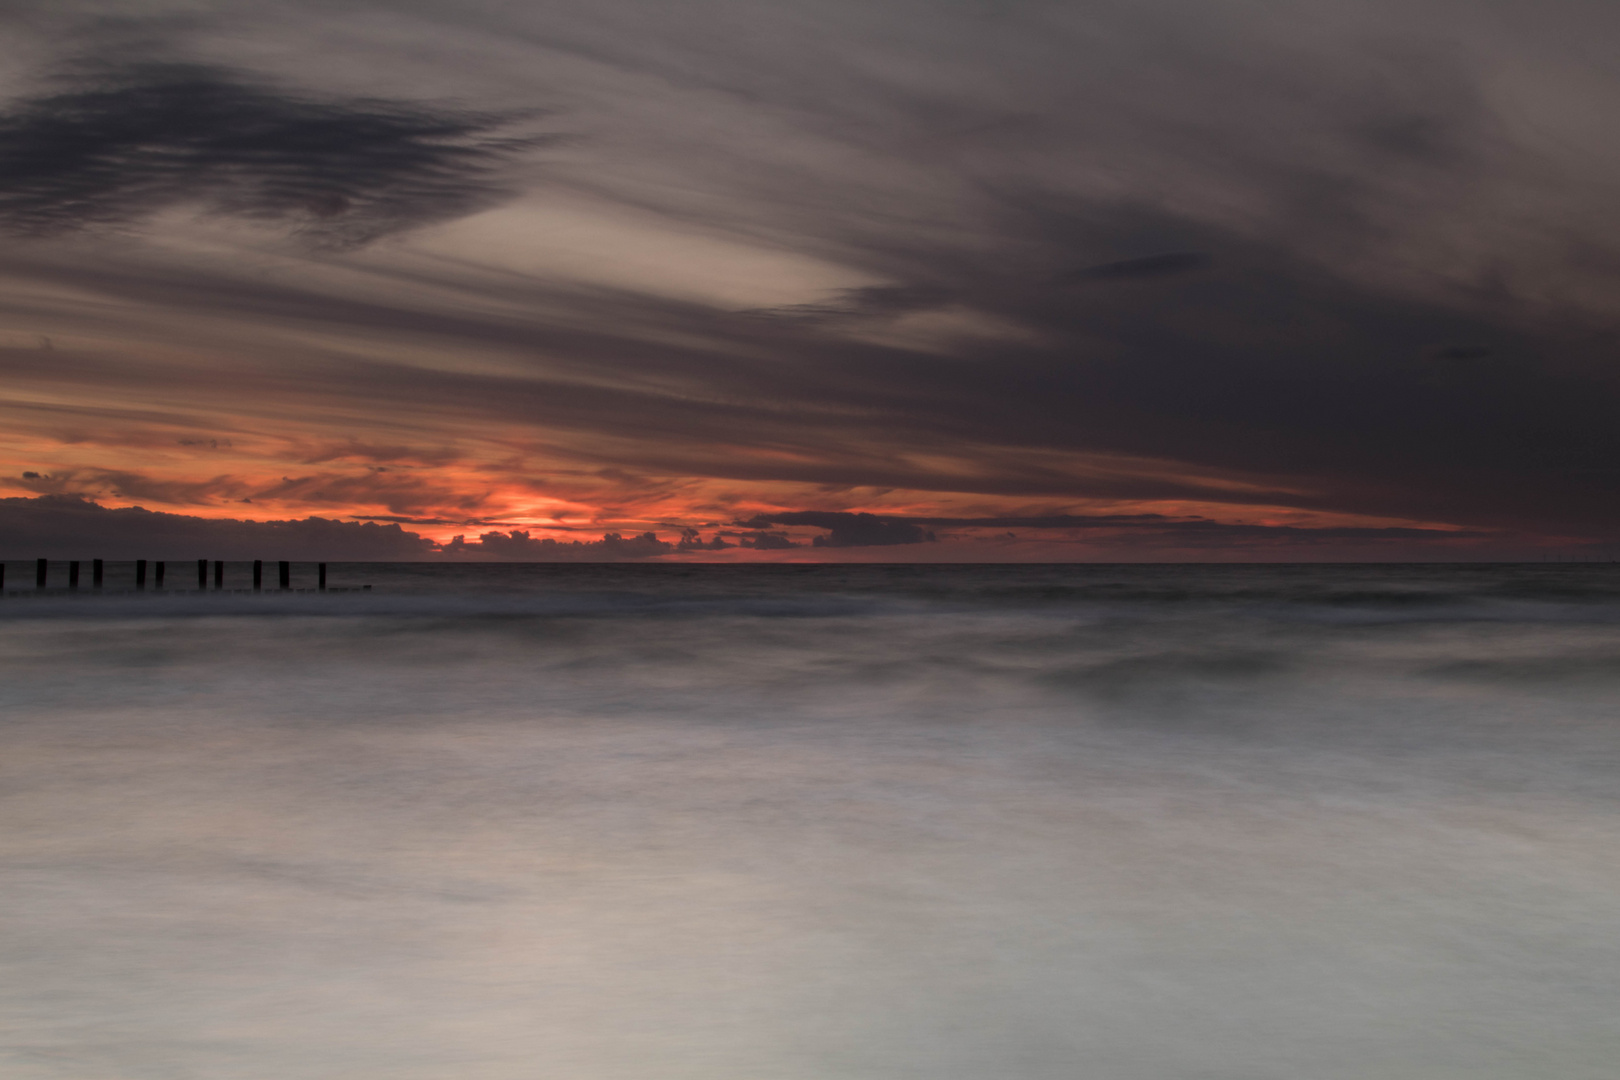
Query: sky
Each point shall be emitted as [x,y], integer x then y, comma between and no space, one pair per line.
[938,281]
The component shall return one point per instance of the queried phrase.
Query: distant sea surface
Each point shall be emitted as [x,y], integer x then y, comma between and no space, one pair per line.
[653,822]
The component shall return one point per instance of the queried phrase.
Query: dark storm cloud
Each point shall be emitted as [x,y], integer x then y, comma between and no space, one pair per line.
[147,136]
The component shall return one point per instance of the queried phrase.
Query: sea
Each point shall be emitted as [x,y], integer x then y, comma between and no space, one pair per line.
[812,822]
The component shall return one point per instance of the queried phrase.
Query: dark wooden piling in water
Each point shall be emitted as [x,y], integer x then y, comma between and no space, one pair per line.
[2,577]
[159,567]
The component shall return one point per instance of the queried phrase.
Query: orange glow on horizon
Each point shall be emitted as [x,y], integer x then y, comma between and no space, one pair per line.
[434,479]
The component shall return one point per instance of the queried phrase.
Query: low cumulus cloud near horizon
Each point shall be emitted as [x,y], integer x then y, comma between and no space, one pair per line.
[1356,261]
[68,527]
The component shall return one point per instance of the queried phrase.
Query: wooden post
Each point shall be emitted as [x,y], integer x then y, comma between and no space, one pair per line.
[157,577]
[95,572]
[202,575]
[73,574]
[140,573]
[258,574]
[285,569]
[2,577]
[39,573]
[219,574]
[322,576]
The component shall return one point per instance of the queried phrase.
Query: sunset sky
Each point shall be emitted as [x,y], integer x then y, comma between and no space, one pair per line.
[1019,280]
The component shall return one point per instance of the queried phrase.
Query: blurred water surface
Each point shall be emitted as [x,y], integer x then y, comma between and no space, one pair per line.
[503,822]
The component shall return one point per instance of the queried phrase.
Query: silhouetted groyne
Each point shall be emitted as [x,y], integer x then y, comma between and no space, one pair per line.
[286,581]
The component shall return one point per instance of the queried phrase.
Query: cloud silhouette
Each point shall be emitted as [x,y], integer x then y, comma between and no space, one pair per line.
[871,530]
[68,527]
[519,546]
[149,136]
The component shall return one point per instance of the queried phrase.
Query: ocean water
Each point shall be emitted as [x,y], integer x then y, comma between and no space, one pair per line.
[502,822]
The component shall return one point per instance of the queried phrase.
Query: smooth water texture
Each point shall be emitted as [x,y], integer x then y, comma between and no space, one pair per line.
[780,823]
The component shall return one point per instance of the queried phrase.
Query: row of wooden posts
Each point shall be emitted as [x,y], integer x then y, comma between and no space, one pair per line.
[97,573]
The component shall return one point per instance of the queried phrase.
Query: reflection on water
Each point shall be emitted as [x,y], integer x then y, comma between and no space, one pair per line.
[502,823]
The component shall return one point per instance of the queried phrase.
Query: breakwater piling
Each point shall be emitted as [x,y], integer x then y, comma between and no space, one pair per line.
[144,575]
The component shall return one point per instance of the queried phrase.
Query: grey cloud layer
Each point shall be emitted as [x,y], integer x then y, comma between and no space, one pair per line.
[1333,249]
